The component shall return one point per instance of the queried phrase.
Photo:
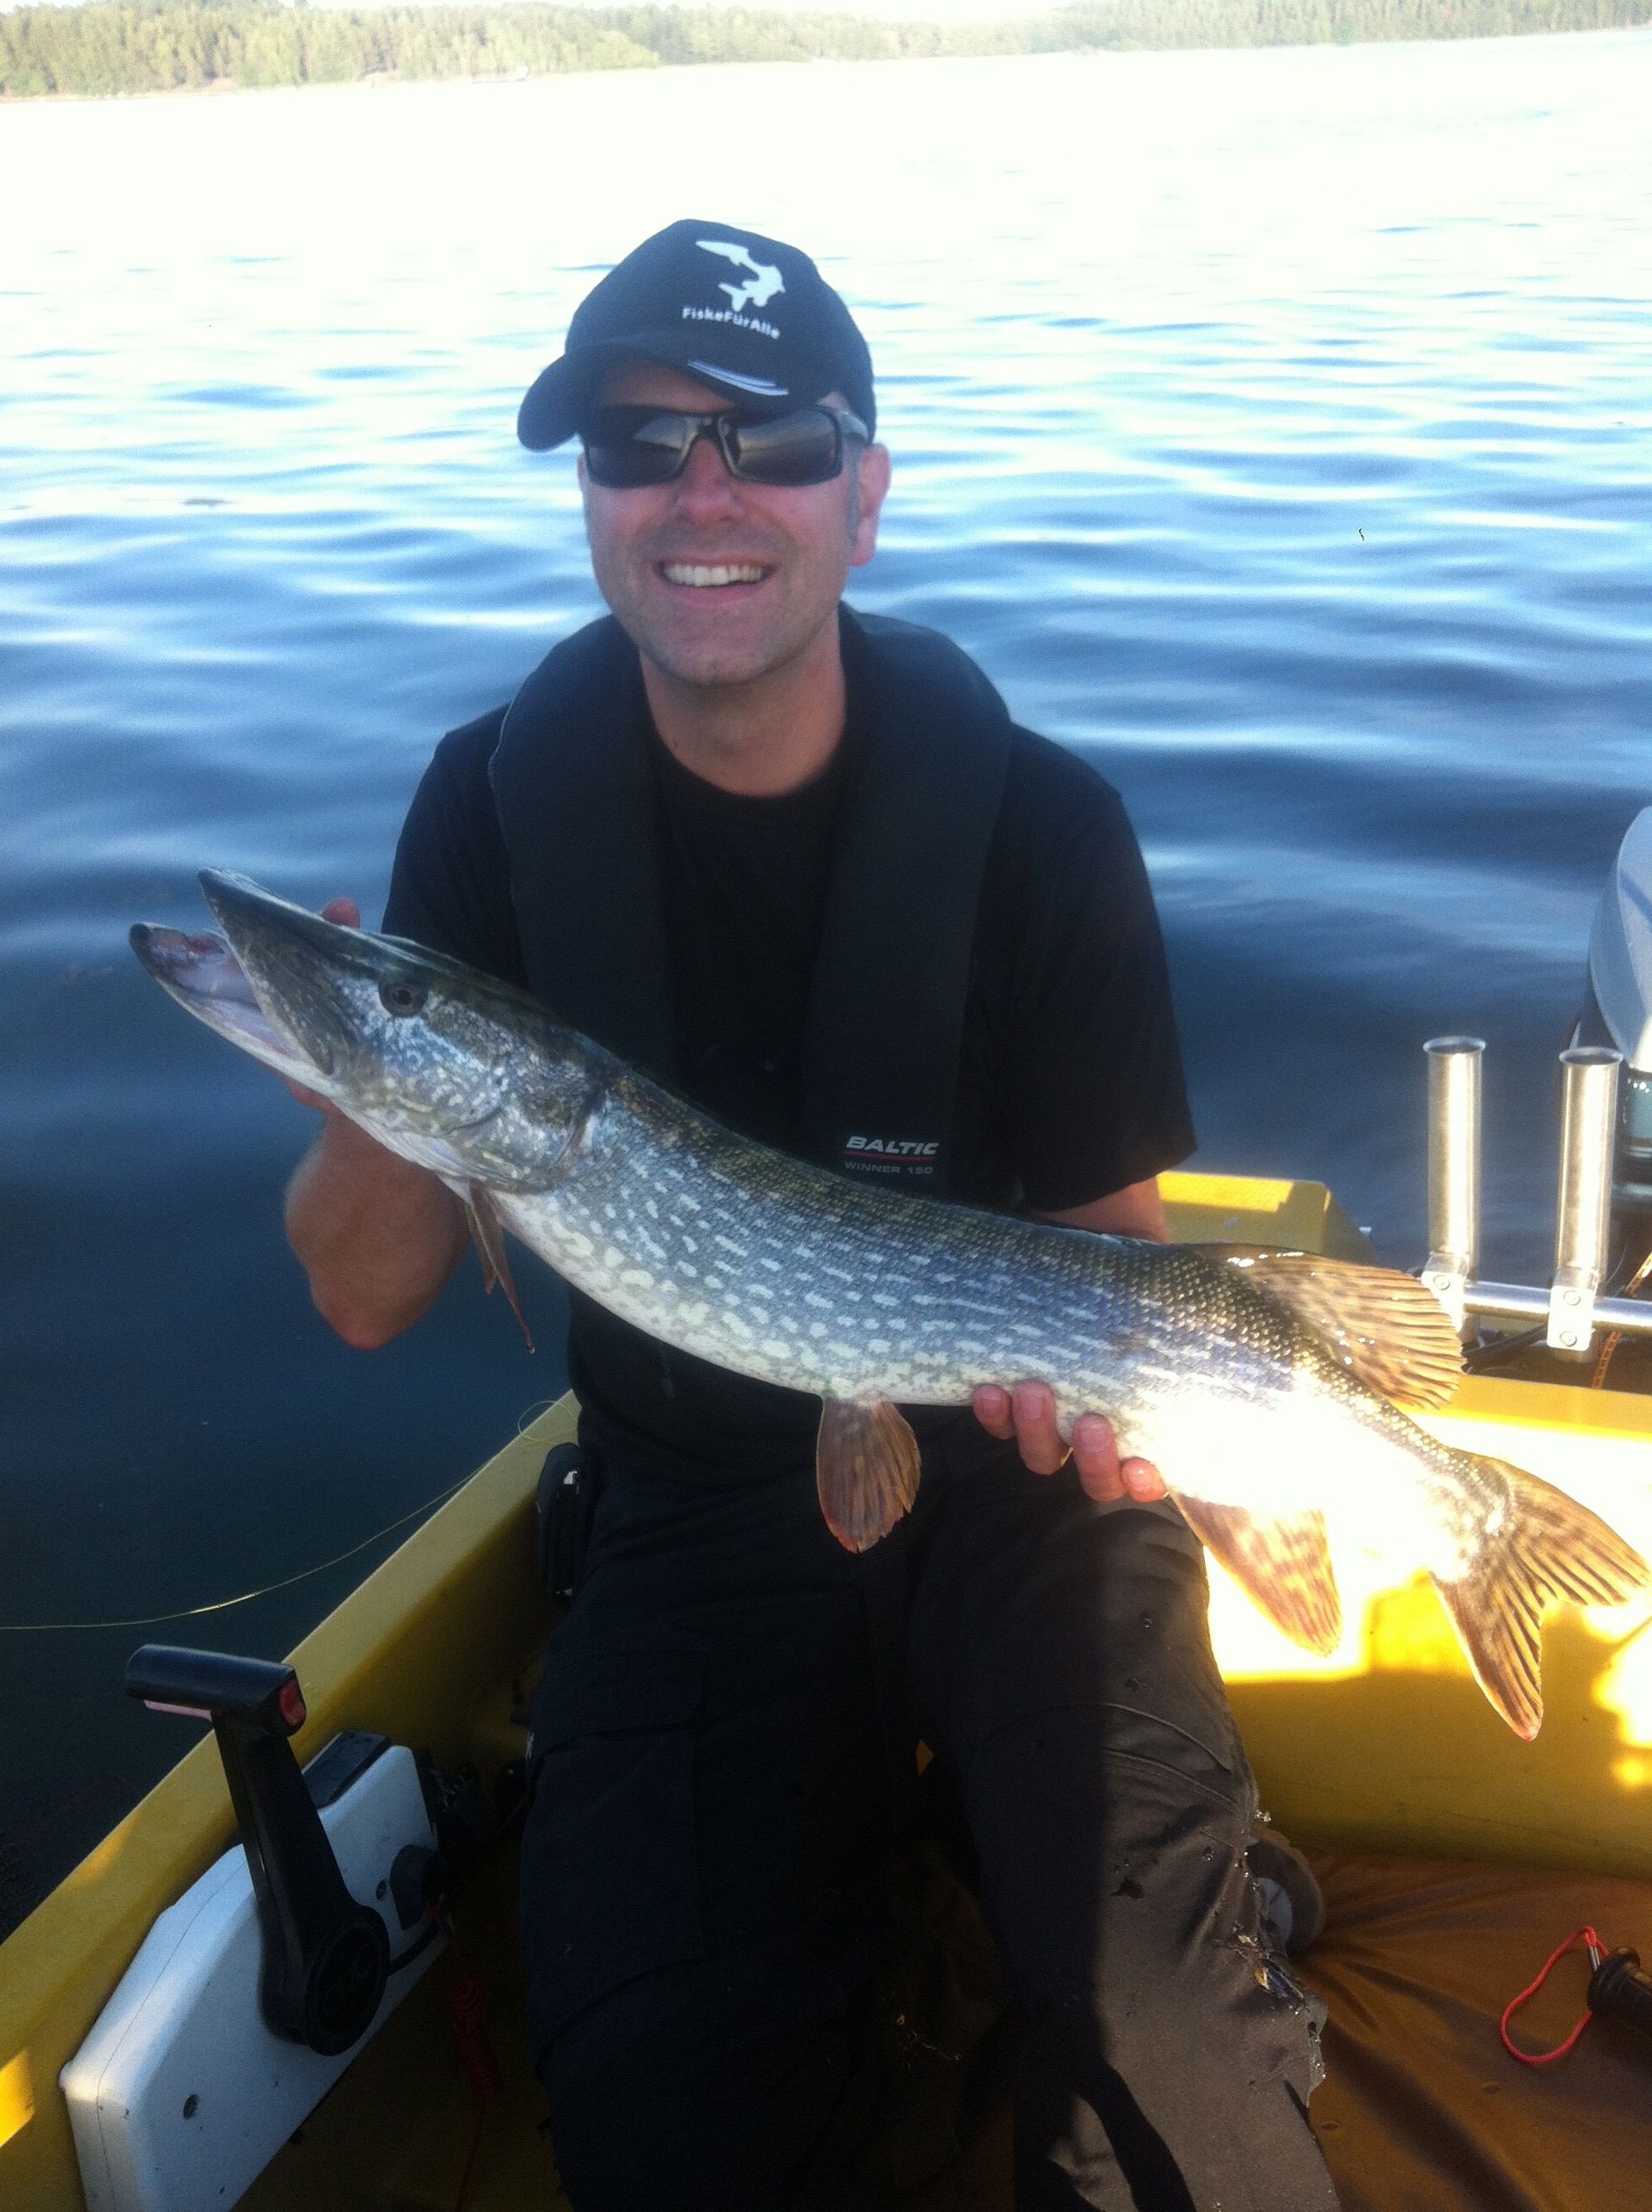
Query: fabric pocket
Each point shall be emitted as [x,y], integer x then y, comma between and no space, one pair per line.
[611,1879]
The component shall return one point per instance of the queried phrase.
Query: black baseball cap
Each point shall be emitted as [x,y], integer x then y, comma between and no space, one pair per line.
[736,311]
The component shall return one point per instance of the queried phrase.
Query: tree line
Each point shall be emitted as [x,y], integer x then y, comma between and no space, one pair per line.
[106,47]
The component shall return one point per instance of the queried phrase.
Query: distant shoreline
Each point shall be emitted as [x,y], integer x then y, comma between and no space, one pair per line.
[122,49]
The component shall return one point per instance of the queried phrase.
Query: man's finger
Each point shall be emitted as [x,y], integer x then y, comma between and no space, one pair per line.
[1143,1481]
[1043,1448]
[1096,1458]
[995,1411]
[1103,1475]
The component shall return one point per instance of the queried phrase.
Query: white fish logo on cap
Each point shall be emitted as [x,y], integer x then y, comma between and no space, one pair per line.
[760,287]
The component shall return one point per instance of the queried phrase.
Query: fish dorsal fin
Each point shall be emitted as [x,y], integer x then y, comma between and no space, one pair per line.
[866,1469]
[1282,1563]
[487,1235]
[1386,1329]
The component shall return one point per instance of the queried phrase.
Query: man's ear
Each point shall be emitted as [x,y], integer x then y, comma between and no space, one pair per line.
[872,474]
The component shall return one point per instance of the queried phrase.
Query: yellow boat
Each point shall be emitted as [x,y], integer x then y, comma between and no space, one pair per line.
[1454,1857]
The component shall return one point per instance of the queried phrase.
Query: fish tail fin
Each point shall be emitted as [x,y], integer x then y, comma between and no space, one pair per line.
[1545,1546]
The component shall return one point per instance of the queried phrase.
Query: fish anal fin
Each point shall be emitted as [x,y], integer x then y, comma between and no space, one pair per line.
[1390,1331]
[1542,1545]
[1281,1562]
[487,1235]
[865,1469]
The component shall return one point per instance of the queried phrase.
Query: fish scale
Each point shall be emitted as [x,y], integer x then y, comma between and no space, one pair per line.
[1108,1313]
[1261,1384]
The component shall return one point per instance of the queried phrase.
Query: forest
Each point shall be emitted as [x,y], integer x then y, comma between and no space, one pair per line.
[111,47]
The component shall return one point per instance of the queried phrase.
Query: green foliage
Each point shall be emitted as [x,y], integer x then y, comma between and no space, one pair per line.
[1090,24]
[159,46]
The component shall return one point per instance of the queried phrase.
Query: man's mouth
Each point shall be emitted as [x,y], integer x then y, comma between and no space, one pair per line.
[713,575]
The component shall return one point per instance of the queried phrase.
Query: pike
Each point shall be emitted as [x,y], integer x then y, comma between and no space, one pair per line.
[1262,1384]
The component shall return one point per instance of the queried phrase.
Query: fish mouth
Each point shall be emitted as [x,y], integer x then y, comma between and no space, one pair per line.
[301,968]
[273,982]
[198,968]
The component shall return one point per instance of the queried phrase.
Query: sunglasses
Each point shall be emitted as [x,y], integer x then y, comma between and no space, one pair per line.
[628,447]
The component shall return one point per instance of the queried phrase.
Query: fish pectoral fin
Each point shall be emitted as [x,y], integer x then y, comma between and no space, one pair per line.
[1545,1546]
[1386,1329]
[865,1469]
[487,1235]
[1282,1562]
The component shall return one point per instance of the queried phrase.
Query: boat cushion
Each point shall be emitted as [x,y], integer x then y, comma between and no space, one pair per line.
[1422,2109]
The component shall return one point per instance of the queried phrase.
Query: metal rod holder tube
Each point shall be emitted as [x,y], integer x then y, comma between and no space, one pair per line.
[1454,1168]
[1589,1130]
[1521,1301]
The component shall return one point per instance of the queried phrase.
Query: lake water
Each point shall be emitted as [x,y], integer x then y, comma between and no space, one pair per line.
[1276,428]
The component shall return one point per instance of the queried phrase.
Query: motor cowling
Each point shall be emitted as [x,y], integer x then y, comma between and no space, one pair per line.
[1618,1007]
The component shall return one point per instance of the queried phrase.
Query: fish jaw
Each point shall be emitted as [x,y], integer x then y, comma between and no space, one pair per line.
[198,969]
[448,1067]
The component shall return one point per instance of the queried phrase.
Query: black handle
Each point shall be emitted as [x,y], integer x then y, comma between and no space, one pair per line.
[1619,1988]
[325,1957]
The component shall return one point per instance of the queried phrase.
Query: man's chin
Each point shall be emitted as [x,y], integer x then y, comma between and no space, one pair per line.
[711,669]
[712,653]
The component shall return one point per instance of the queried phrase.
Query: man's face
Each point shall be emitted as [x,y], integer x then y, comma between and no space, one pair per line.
[717,582]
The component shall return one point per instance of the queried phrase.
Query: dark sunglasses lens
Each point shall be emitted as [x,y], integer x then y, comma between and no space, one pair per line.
[795,449]
[625,446]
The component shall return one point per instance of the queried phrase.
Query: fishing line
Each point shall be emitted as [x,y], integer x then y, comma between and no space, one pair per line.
[223,1604]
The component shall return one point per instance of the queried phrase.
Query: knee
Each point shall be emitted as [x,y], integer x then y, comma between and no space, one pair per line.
[1163,1976]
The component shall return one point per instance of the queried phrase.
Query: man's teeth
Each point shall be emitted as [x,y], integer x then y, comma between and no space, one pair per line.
[694,573]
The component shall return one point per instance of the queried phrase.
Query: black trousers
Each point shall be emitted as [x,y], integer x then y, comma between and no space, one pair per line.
[721,1746]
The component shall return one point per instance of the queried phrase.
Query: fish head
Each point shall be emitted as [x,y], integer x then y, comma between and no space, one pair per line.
[449,1067]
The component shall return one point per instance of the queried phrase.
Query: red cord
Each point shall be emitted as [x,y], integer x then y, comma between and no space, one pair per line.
[477,2057]
[470,2033]
[1586,1936]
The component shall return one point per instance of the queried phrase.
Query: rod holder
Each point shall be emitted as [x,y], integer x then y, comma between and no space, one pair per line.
[1453,1171]
[1589,1132]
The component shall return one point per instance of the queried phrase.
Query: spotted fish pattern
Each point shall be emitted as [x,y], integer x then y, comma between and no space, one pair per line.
[1263,1385]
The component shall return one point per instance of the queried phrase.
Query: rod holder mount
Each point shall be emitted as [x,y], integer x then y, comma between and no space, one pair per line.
[1588,1131]
[1453,1171]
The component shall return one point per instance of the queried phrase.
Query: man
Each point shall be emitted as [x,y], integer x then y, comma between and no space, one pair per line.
[800,864]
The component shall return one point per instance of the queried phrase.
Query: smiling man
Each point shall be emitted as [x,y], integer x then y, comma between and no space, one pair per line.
[799,863]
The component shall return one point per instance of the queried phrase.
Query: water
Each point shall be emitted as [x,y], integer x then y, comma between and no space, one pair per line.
[1274,426]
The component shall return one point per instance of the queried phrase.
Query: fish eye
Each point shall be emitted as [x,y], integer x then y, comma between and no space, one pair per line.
[403,998]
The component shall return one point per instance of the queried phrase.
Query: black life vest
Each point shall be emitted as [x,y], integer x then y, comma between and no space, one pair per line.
[575,791]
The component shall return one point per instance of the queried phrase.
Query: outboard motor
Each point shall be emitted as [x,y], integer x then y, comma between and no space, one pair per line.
[1617,1012]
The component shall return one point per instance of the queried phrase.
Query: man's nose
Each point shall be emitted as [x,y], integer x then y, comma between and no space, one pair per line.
[705,488]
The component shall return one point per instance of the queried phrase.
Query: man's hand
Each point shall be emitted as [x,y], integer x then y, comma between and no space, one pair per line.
[377,1236]
[347,914]
[1027,1416]
[1026,1413]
